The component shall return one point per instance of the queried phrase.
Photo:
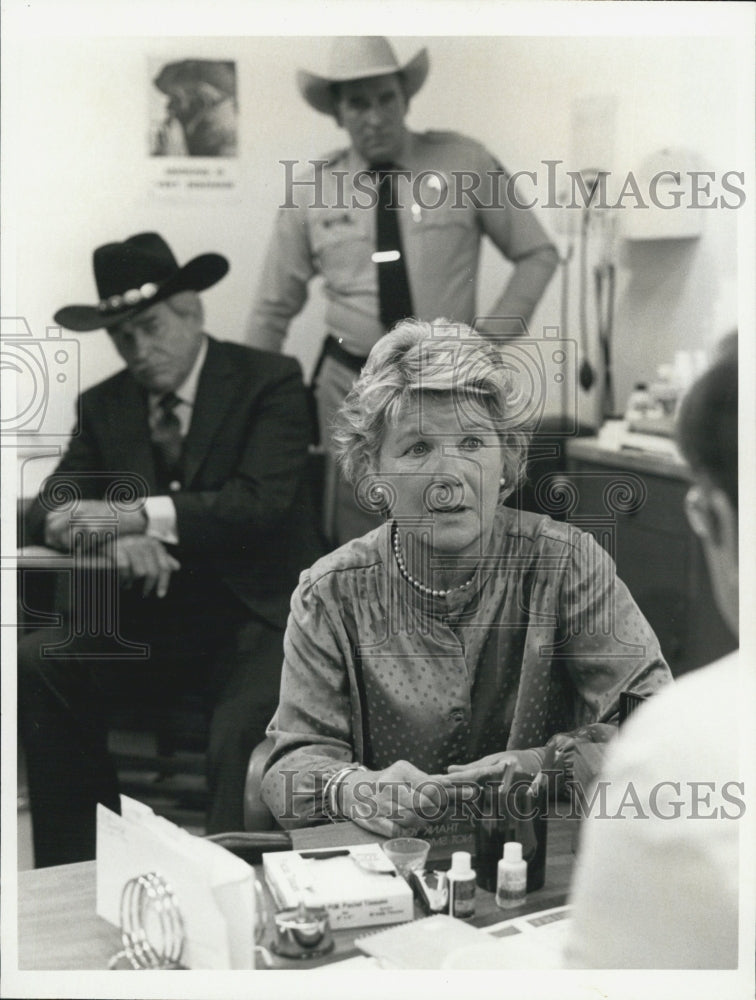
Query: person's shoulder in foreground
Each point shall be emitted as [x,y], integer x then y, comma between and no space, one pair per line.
[658,878]
[658,875]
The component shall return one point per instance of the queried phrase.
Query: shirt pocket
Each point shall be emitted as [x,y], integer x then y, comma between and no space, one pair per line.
[341,248]
[428,225]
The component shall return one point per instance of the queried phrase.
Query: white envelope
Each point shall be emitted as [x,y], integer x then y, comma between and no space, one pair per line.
[213,889]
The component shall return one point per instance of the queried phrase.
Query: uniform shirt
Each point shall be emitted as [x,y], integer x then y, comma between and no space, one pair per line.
[329,230]
[657,880]
[543,641]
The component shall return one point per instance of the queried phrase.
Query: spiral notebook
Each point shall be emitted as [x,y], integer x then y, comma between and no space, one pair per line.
[422,944]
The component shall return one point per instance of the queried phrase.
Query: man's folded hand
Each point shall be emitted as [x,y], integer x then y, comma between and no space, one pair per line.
[140,557]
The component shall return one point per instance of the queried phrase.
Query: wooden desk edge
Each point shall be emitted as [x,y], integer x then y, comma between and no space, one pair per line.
[648,462]
[58,928]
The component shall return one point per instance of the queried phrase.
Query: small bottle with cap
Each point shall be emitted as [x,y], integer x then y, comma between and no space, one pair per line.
[461,886]
[640,404]
[511,877]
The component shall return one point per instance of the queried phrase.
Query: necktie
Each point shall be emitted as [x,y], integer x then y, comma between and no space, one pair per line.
[394,298]
[167,441]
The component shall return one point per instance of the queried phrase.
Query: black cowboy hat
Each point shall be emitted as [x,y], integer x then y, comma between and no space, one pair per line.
[134,275]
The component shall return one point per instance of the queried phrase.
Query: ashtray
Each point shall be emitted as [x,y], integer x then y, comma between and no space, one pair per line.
[407,854]
[302,932]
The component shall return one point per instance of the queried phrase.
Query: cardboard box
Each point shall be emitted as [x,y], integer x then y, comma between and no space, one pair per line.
[353,895]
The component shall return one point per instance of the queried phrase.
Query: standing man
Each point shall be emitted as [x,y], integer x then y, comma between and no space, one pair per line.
[393,223]
[212,437]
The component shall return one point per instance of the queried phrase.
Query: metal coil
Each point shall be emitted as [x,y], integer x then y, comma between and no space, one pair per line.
[152,927]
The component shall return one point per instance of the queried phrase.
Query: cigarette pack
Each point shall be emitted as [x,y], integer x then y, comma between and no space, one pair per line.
[357,884]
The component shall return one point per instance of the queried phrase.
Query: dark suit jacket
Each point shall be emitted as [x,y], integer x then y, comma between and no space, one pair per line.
[243,512]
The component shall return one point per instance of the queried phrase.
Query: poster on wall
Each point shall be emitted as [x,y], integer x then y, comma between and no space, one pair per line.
[193,134]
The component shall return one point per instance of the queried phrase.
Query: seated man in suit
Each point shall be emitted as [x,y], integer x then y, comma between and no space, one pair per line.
[210,439]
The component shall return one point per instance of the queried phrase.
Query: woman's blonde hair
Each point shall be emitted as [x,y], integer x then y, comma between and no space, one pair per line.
[440,358]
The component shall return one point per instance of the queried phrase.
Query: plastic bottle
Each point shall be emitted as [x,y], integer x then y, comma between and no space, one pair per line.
[664,391]
[640,404]
[511,877]
[683,371]
[461,886]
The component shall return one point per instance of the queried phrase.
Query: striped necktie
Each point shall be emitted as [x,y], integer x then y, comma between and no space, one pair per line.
[167,441]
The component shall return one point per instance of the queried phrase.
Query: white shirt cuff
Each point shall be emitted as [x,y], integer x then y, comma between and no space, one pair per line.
[161,519]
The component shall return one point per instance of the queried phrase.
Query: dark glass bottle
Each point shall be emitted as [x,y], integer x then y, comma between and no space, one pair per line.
[515,813]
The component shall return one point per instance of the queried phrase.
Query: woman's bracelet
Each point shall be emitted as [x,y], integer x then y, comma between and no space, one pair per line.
[330,805]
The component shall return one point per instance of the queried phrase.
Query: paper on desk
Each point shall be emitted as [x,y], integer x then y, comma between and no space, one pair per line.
[535,941]
[213,889]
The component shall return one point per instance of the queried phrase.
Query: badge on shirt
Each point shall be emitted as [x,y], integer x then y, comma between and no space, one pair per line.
[430,190]
[342,219]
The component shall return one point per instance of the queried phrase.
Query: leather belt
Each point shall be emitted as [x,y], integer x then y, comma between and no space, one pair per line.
[333,349]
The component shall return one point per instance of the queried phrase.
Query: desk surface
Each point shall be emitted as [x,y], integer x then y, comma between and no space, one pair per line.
[58,928]
[41,557]
[590,449]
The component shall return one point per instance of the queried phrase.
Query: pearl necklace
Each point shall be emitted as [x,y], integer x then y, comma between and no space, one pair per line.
[397,546]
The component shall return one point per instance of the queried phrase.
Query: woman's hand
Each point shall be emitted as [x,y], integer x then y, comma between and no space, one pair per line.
[497,767]
[395,802]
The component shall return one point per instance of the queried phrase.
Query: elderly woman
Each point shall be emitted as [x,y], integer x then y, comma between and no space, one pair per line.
[461,635]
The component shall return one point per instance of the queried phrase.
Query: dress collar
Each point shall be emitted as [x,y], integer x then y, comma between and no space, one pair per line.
[457,599]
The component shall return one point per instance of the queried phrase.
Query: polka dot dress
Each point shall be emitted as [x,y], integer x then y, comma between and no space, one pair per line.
[542,641]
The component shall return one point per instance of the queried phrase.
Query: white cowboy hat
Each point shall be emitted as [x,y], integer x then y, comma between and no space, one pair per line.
[356,58]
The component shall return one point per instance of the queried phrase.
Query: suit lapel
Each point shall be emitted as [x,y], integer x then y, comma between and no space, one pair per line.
[127,425]
[214,397]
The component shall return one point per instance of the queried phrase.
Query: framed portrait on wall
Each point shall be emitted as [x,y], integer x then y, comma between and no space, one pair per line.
[193,133]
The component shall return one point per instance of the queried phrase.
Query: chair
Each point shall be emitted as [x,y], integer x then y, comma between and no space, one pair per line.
[250,846]
[257,816]
[261,834]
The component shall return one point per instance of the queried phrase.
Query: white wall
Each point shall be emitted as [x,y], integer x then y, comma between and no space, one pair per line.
[81,173]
